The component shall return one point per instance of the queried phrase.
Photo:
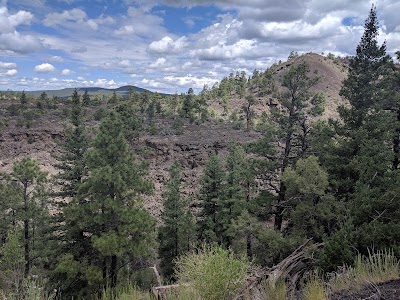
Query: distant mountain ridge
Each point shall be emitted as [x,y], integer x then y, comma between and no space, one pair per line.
[67,92]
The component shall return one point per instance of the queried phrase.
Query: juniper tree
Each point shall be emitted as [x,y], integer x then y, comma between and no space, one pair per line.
[176,233]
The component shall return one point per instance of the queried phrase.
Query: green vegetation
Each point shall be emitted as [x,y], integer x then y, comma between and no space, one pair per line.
[213,272]
[84,233]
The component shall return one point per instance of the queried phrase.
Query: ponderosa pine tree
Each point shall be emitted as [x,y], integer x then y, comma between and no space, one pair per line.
[176,234]
[210,225]
[72,242]
[71,162]
[236,191]
[30,207]
[119,226]
[286,133]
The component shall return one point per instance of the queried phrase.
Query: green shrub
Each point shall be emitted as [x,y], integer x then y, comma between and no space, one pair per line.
[213,272]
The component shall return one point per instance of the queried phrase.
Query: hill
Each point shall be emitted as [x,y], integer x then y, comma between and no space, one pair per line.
[65,93]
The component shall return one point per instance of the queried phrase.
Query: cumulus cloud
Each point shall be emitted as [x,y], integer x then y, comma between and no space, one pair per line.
[159,63]
[66,72]
[7,65]
[45,68]
[10,38]
[125,30]
[8,22]
[167,45]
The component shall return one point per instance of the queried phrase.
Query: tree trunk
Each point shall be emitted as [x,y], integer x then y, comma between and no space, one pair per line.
[249,246]
[113,271]
[396,144]
[279,208]
[26,233]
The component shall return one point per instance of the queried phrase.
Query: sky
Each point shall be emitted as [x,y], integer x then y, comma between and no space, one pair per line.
[172,45]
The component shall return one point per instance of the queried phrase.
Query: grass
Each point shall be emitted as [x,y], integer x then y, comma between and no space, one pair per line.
[213,272]
[275,290]
[314,289]
[375,268]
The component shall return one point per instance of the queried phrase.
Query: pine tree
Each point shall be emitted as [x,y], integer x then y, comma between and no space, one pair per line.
[30,207]
[176,233]
[287,133]
[72,242]
[365,172]
[72,160]
[209,225]
[86,99]
[119,226]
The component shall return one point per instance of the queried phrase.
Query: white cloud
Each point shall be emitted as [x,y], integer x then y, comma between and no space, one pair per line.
[125,30]
[73,15]
[158,63]
[66,72]
[10,39]
[74,18]
[45,68]
[8,72]
[7,65]
[56,59]
[126,63]
[8,23]
[167,45]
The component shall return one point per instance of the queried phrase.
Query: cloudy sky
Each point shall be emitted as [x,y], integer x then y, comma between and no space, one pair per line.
[171,45]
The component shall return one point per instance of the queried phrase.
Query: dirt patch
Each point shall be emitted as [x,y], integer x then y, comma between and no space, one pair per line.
[389,290]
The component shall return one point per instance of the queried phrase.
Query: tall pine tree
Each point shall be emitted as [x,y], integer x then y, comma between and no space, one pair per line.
[119,226]
[176,233]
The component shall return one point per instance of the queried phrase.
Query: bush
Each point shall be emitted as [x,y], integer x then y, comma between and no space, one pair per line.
[213,272]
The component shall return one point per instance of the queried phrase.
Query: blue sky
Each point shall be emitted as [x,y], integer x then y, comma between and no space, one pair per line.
[171,45]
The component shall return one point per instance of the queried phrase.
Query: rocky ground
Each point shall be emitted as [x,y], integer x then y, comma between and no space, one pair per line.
[389,290]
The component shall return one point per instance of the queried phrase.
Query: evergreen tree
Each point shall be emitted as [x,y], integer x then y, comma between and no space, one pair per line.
[188,104]
[30,208]
[286,134]
[209,225]
[176,233]
[119,227]
[364,172]
[71,162]
[72,241]
[23,99]
[86,99]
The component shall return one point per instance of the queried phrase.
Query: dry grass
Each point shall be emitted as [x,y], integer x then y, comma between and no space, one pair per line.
[376,268]
[275,290]
[314,289]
